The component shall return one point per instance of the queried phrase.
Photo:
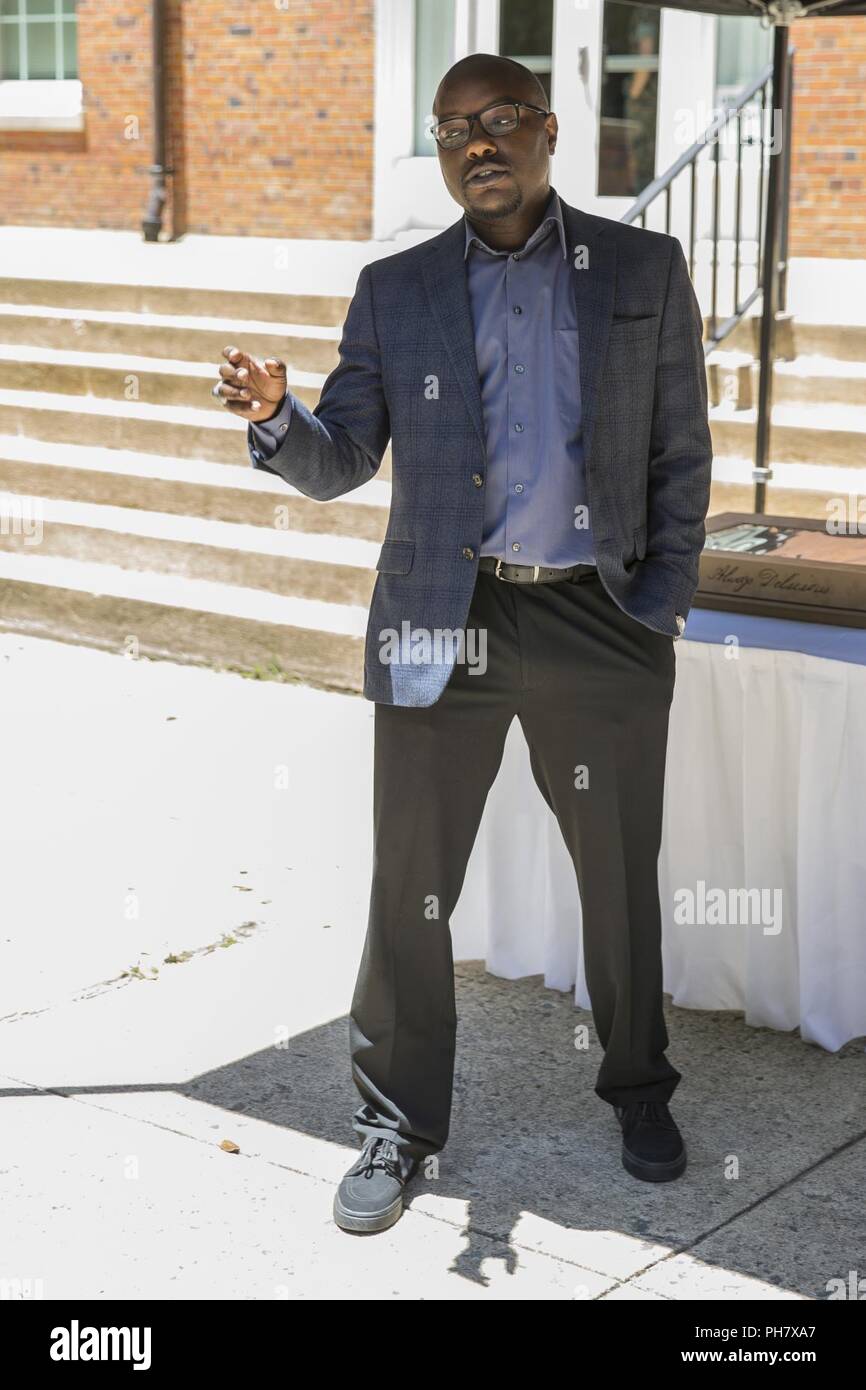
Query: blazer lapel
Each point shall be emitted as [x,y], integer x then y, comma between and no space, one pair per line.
[444,272]
[593,260]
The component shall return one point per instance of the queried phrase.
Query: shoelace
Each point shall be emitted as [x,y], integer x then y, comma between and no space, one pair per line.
[656,1111]
[378,1153]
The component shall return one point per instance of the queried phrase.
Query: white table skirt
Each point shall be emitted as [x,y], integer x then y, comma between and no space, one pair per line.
[766,771]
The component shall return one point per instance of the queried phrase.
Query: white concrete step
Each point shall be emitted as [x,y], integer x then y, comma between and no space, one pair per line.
[795,489]
[126,376]
[182,431]
[304,564]
[187,338]
[183,619]
[824,435]
[175,591]
[321,548]
[210,433]
[844,342]
[794,477]
[303,348]
[812,380]
[142,298]
[186,487]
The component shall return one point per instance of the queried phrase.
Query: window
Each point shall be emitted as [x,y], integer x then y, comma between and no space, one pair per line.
[434,48]
[38,39]
[526,35]
[744,48]
[446,31]
[629,99]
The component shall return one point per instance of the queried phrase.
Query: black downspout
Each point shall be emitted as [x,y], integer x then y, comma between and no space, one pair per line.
[772,240]
[152,221]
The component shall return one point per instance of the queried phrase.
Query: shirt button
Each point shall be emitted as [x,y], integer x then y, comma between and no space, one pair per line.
[518,429]
[519,367]
[517,309]
[468,552]
[518,487]
[515,545]
[516,256]
[477,479]
[283,427]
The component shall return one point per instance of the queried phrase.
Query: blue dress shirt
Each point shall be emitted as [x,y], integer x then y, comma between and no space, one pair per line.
[524,317]
[526,344]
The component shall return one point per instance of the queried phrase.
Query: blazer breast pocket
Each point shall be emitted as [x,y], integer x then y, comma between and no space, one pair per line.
[625,331]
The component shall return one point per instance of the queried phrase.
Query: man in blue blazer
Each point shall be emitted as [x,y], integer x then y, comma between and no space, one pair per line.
[539,372]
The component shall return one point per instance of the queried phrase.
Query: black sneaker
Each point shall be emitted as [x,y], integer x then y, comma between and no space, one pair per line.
[652,1146]
[370,1197]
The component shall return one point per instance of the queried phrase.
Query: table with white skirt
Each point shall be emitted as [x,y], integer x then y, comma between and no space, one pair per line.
[765,790]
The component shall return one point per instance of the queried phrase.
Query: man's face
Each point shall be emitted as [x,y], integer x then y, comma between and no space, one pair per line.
[520,159]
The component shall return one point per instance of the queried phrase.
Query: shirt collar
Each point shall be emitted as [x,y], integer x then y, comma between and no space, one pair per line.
[552,214]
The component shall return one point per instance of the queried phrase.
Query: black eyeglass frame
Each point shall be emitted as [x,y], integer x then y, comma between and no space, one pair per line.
[476,116]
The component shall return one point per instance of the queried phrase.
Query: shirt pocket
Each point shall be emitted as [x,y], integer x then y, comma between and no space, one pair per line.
[566,371]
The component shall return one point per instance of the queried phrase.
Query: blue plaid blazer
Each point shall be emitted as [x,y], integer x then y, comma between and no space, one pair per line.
[645,429]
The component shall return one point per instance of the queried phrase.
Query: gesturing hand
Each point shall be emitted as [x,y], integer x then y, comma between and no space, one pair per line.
[249,388]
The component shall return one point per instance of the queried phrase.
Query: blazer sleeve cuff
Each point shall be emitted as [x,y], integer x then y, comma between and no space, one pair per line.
[267,438]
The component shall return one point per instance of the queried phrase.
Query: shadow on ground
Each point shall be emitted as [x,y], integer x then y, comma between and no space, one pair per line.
[775,1129]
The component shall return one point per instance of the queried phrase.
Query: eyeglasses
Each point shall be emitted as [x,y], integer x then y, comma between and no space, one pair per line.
[501,119]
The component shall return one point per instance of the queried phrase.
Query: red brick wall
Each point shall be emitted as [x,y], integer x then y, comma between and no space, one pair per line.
[278,125]
[95,178]
[828,156]
[271,115]
[270,129]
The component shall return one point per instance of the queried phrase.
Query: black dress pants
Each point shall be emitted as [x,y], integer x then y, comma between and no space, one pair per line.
[592,689]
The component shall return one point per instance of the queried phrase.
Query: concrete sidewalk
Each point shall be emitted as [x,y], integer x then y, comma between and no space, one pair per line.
[186,869]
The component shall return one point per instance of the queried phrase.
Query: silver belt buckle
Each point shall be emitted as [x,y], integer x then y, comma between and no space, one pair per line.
[499,563]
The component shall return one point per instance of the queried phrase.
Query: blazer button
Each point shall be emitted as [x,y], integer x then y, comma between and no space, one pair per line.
[468,552]
[477,479]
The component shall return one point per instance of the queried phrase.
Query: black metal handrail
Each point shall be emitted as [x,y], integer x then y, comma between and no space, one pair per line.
[719,327]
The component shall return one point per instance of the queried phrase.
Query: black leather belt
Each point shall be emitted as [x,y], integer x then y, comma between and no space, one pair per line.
[532,574]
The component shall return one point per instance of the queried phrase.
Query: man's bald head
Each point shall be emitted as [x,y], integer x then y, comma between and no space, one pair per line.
[516,80]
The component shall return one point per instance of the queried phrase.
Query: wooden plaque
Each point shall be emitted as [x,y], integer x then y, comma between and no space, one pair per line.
[784,567]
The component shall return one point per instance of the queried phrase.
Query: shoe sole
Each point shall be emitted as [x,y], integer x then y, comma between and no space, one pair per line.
[366,1223]
[653,1172]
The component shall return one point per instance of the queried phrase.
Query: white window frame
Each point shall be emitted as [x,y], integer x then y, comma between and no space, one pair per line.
[40,103]
[407,203]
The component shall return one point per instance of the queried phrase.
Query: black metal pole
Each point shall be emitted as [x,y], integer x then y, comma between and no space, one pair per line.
[786,193]
[779,136]
[152,220]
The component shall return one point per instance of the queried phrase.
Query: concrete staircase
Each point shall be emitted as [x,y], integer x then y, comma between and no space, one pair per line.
[131,518]
[132,521]
[818,437]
